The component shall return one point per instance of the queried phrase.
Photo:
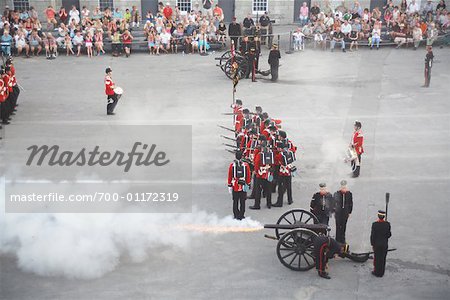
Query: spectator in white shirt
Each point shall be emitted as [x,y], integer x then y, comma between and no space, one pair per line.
[74,14]
[413,7]
[77,41]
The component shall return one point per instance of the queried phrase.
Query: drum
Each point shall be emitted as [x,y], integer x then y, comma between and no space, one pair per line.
[118,91]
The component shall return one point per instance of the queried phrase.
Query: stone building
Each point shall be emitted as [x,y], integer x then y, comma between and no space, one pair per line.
[282,11]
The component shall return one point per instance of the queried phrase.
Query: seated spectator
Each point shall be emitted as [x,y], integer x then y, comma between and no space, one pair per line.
[319,35]
[117,15]
[74,14]
[77,41]
[149,17]
[50,46]
[124,26]
[50,14]
[62,31]
[127,39]
[21,43]
[354,36]
[167,11]
[376,36]
[6,42]
[304,14]
[89,43]
[298,36]
[151,43]
[68,45]
[165,40]
[338,37]
[35,43]
[417,36]
[217,11]
[62,15]
[135,17]
[85,13]
[195,41]
[98,41]
[97,14]
[116,43]
[314,12]
[203,44]
[222,33]
[178,37]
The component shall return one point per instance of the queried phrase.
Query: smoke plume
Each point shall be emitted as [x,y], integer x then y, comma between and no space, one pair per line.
[90,245]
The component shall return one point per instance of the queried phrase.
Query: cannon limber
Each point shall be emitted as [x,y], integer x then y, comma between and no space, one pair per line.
[295,232]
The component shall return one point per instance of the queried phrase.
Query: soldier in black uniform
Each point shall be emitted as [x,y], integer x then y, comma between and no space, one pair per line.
[274,61]
[428,65]
[342,210]
[381,232]
[234,31]
[322,204]
[325,248]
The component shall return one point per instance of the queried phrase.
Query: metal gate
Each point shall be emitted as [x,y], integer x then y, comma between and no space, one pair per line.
[297,5]
[228,9]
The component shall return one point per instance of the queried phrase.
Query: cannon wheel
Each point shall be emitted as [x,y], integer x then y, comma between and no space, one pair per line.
[243,66]
[295,249]
[225,56]
[295,216]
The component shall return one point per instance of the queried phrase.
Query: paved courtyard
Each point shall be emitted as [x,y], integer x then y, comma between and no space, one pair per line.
[318,97]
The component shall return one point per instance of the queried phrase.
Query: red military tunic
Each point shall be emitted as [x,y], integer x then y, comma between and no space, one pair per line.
[233,181]
[358,140]
[109,86]
[261,170]
[3,91]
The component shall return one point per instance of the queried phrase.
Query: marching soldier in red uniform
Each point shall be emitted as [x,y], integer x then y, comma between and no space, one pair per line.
[284,160]
[6,104]
[15,87]
[4,93]
[263,162]
[357,143]
[111,96]
[381,232]
[239,179]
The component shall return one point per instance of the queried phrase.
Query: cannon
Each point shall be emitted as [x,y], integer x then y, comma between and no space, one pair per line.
[295,231]
[226,60]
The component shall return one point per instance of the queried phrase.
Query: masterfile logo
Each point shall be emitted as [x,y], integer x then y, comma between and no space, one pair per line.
[148,156]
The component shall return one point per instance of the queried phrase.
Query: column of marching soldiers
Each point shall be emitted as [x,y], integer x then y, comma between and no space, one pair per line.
[9,92]
[264,157]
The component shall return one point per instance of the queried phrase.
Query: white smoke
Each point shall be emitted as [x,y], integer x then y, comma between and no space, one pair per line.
[90,245]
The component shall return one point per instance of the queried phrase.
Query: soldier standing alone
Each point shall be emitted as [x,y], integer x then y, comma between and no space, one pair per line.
[357,144]
[428,65]
[343,208]
[274,61]
[381,232]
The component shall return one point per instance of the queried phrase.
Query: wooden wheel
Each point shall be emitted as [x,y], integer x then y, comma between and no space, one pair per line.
[295,216]
[243,66]
[295,249]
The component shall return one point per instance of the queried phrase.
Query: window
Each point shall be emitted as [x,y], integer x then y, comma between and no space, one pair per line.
[260,6]
[21,5]
[106,4]
[184,5]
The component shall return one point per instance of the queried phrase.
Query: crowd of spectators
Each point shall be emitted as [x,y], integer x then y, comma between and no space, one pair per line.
[407,23]
[170,29]
[84,31]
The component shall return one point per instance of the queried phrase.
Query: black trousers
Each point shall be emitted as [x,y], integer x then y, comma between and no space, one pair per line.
[274,71]
[379,260]
[427,75]
[262,185]
[320,252]
[239,204]
[356,169]
[6,109]
[112,102]
[252,194]
[341,227]
[284,185]
[323,218]
[236,42]
[16,92]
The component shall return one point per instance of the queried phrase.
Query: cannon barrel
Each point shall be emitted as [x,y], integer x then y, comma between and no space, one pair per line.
[313,227]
